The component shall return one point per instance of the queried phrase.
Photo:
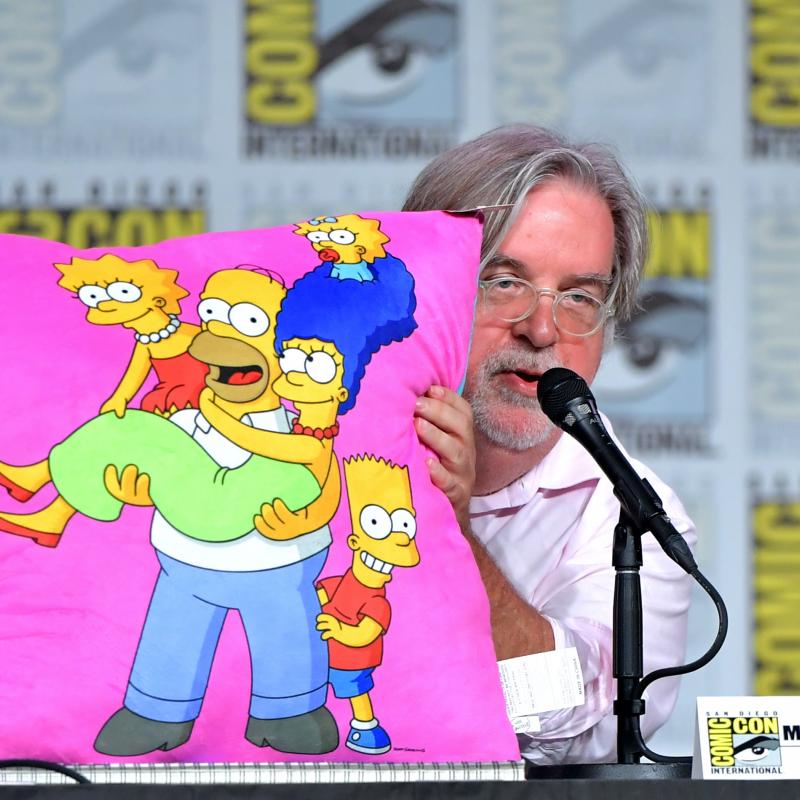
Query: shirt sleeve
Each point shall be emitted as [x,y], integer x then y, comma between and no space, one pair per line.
[378,608]
[330,585]
[579,607]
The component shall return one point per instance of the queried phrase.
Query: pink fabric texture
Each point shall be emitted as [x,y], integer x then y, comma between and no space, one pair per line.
[71,615]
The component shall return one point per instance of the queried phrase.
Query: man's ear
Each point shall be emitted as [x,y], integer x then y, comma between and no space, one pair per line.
[159,302]
[352,541]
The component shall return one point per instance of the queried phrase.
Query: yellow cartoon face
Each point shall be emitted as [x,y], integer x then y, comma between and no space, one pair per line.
[348,239]
[116,291]
[311,372]
[382,515]
[237,309]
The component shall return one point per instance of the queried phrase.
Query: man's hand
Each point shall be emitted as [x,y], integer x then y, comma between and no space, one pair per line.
[130,486]
[444,423]
[277,521]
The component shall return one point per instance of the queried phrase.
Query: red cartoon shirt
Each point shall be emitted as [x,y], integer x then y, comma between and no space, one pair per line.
[350,601]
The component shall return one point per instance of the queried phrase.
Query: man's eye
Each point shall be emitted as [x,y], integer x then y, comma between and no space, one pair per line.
[506,285]
[580,298]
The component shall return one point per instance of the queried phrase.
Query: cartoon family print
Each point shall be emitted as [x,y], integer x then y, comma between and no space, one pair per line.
[243,490]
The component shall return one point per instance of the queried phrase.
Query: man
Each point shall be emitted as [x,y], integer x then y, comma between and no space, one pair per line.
[558,268]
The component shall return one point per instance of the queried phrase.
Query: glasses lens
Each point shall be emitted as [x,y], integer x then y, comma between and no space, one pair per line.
[508,299]
[579,313]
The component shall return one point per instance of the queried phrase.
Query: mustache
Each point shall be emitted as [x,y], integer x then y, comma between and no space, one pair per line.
[520,359]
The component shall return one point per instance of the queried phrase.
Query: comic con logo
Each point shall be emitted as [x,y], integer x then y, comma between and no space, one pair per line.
[149,216]
[744,741]
[359,79]
[95,79]
[774,92]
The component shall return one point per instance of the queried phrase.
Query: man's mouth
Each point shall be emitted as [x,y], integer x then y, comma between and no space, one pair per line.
[239,376]
[376,564]
[528,377]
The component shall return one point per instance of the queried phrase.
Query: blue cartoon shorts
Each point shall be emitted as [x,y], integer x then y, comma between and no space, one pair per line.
[351,682]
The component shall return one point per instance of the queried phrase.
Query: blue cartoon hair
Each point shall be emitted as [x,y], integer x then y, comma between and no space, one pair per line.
[357,318]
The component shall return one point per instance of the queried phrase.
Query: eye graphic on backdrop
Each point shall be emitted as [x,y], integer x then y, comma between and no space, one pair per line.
[384,54]
[651,348]
[641,40]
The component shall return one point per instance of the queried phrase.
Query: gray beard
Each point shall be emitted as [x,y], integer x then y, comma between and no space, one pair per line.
[488,398]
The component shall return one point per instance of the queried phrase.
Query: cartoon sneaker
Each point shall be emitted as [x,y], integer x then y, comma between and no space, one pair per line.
[368,737]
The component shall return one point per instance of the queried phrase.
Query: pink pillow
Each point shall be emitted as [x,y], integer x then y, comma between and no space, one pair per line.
[119,622]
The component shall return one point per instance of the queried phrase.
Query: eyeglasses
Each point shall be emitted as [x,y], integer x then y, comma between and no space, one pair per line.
[575,311]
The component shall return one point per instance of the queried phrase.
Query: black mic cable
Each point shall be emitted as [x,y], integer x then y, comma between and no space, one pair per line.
[568,402]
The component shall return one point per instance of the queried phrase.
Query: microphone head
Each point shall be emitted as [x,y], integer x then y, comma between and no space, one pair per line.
[557,388]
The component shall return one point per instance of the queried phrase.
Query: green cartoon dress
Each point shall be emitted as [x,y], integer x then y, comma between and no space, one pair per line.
[190,490]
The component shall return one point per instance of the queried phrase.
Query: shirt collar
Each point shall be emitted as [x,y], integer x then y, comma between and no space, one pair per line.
[201,422]
[568,464]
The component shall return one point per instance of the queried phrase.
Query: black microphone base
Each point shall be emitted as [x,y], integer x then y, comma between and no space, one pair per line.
[608,772]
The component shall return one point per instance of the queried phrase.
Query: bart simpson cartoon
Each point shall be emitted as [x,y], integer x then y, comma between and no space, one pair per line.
[350,243]
[355,612]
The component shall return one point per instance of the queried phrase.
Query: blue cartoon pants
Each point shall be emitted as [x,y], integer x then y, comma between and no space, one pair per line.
[278,608]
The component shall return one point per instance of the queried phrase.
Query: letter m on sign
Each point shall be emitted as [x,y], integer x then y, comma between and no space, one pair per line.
[791,732]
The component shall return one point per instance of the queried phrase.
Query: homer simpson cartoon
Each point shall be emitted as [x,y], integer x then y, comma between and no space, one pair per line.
[350,243]
[355,612]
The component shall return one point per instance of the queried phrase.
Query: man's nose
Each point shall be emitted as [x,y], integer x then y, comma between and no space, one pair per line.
[538,327]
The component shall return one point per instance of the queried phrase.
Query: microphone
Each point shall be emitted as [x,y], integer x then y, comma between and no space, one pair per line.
[566,399]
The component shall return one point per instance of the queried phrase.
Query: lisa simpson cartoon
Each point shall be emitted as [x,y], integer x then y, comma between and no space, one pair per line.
[143,297]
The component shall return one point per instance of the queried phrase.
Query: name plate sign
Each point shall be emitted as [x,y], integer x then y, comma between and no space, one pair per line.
[747,737]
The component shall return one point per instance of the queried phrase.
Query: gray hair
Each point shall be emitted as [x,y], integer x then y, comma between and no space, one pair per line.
[502,166]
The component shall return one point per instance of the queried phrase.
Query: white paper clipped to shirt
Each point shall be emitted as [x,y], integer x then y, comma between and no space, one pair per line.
[540,682]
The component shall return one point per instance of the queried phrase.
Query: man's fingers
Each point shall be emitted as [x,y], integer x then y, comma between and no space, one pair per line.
[447,411]
[450,449]
[440,477]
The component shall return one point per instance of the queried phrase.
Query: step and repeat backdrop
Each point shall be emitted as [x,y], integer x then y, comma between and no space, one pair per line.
[123,122]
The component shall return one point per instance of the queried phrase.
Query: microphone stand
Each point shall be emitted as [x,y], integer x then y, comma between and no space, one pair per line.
[627,631]
[628,670]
